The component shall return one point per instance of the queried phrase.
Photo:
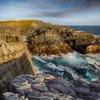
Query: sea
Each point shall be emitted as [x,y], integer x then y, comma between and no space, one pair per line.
[94,29]
[74,67]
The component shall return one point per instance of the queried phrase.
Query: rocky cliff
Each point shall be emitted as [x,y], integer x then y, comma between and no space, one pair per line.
[42,39]
[61,39]
[46,39]
[14,61]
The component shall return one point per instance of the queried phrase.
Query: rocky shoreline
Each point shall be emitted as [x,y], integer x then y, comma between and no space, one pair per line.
[44,39]
[51,87]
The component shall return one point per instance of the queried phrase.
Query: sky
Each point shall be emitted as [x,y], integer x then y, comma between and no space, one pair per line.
[62,12]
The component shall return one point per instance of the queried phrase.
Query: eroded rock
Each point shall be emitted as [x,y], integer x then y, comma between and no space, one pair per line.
[95,86]
[51,87]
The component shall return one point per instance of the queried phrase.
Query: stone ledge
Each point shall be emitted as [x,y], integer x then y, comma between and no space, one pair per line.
[11,51]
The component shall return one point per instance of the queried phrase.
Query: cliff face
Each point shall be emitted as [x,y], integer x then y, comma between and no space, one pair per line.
[14,61]
[47,41]
[44,38]
[60,39]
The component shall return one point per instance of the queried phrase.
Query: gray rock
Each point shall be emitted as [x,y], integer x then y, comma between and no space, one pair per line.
[80,91]
[46,87]
[60,80]
[95,86]
[12,96]
[98,95]
[40,87]
[60,88]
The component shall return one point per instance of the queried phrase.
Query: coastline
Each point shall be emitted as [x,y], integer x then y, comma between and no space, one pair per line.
[52,46]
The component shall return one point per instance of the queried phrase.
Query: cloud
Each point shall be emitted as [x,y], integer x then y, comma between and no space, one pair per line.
[59,3]
[48,9]
[17,8]
[3,11]
[61,8]
[52,14]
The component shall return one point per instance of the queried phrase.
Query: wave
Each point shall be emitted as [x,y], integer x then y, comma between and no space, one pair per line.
[72,66]
[38,58]
[97,35]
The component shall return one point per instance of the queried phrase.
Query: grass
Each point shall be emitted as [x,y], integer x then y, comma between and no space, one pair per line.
[20,23]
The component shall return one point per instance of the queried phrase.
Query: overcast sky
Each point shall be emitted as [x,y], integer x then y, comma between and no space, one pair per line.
[65,12]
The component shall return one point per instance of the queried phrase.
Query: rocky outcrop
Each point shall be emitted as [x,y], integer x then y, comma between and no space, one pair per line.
[41,87]
[9,38]
[14,60]
[97,39]
[51,87]
[44,38]
[95,86]
[93,49]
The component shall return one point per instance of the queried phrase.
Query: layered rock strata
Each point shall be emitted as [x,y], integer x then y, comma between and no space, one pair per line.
[44,38]
[51,87]
[47,39]
[14,60]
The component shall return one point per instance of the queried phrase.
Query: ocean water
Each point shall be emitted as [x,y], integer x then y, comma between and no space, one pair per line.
[72,66]
[94,29]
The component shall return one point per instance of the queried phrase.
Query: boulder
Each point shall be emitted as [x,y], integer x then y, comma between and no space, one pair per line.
[42,87]
[95,86]
[81,91]
[12,96]
[93,49]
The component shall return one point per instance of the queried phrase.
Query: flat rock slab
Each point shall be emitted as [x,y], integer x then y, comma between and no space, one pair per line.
[50,87]
[95,86]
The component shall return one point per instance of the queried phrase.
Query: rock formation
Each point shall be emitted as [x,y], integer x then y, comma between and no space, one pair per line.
[41,39]
[93,49]
[51,87]
[14,60]
[46,39]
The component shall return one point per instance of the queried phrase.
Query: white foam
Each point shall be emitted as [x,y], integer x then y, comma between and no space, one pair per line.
[74,58]
[53,66]
[96,35]
[39,58]
[67,62]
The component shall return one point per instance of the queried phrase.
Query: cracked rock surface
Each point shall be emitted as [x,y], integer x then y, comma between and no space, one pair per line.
[50,87]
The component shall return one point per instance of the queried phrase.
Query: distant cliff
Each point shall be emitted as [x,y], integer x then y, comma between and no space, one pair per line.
[46,39]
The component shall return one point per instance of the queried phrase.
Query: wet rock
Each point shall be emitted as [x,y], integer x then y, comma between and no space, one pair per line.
[80,91]
[60,80]
[95,86]
[94,94]
[57,87]
[12,96]
[89,98]
[84,84]
[51,87]
[47,76]
[40,87]
[98,95]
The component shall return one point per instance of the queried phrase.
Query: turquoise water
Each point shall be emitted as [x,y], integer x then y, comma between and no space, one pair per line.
[72,66]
